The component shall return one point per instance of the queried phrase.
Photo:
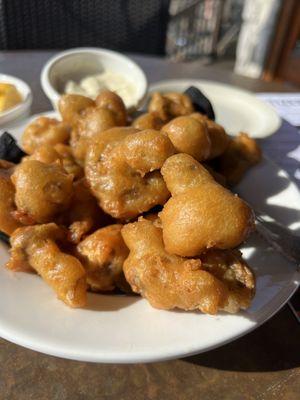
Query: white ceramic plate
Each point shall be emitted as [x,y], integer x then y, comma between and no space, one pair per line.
[236,109]
[114,329]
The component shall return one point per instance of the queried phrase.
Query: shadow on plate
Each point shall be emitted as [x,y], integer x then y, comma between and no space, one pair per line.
[272,347]
[262,184]
[105,302]
[283,142]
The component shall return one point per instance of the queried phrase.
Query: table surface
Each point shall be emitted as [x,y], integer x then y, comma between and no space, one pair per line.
[263,365]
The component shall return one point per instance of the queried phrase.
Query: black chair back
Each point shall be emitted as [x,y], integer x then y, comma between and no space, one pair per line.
[124,25]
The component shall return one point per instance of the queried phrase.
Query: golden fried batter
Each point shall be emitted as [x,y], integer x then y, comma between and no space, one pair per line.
[73,106]
[179,104]
[148,121]
[36,247]
[44,130]
[7,199]
[83,213]
[91,170]
[218,137]
[93,122]
[42,191]
[60,153]
[201,214]
[68,161]
[111,101]
[102,254]
[45,153]
[88,118]
[242,153]
[170,105]
[189,136]
[122,170]
[222,281]
[231,269]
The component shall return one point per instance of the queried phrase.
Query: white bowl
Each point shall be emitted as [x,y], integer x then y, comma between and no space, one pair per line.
[22,109]
[78,63]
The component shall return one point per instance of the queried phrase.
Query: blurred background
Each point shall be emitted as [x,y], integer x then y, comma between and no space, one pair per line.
[255,38]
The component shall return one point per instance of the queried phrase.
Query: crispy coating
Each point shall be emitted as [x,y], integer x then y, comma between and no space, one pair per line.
[179,104]
[7,199]
[83,214]
[68,161]
[201,213]
[106,112]
[94,121]
[73,106]
[170,105]
[231,269]
[189,136]
[218,137]
[111,101]
[36,247]
[221,281]
[242,153]
[102,254]
[60,153]
[44,130]
[122,170]
[42,191]
[148,121]
[45,154]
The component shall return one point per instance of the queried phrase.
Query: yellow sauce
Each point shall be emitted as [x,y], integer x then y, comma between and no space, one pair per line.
[9,96]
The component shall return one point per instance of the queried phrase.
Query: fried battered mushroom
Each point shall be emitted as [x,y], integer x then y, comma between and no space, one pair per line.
[42,191]
[189,136]
[44,130]
[90,118]
[60,153]
[73,106]
[148,121]
[242,153]
[68,161]
[217,135]
[93,122]
[111,101]
[36,247]
[7,199]
[102,254]
[201,213]
[179,104]
[45,154]
[231,269]
[170,105]
[220,282]
[83,213]
[122,170]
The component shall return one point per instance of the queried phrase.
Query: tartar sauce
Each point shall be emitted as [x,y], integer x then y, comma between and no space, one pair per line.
[92,85]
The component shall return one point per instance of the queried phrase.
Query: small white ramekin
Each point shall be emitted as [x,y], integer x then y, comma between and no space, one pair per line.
[78,63]
[21,110]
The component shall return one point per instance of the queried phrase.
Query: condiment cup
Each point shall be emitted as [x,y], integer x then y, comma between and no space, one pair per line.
[21,110]
[75,64]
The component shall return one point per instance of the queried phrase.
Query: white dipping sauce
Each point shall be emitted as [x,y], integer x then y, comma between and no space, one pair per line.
[92,85]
